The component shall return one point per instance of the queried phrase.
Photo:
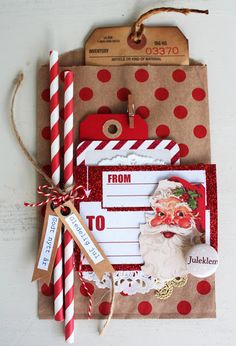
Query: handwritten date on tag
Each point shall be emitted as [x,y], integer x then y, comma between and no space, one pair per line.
[157,46]
[84,239]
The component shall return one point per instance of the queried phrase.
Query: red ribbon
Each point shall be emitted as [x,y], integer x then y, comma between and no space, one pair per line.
[56,197]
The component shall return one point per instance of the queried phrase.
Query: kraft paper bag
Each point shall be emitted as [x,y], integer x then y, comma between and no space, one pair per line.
[174,102]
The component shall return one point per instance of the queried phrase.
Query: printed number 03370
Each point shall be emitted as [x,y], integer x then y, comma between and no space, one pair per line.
[162,50]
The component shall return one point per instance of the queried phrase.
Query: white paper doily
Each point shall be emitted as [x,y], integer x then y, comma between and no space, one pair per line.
[128,282]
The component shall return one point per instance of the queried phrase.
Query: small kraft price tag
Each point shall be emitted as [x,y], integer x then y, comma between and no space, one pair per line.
[84,239]
[156,46]
[47,247]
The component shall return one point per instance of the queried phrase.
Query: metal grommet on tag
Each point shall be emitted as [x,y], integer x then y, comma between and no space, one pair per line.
[137,43]
[112,129]
[202,260]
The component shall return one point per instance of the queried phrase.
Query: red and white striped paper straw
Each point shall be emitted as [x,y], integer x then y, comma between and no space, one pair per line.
[55,170]
[68,181]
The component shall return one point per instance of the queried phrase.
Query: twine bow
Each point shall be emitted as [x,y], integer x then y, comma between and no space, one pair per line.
[57,196]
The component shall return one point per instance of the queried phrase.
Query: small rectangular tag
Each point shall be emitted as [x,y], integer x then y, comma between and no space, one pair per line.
[85,240]
[47,247]
[157,46]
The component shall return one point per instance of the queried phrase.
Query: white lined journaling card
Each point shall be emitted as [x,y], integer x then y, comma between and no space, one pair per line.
[134,188]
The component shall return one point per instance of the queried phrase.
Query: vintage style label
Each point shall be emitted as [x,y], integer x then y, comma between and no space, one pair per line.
[47,247]
[157,46]
[85,240]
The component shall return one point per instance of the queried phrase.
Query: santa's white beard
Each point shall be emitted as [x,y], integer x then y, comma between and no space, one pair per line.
[164,258]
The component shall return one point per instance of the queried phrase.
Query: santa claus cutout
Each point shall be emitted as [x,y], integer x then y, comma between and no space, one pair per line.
[178,224]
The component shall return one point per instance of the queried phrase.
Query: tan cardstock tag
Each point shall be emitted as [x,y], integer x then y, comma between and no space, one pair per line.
[47,248]
[157,46]
[85,240]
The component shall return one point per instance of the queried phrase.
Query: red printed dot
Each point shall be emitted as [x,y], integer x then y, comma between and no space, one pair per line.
[86,94]
[143,111]
[90,288]
[46,95]
[122,94]
[104,308]
[141,75]
[179,75]
[180,112]
[124,294]
[183,149]
[103,76]
[47,290]
[61,113]
[184,307]
[162,131]
[47,170]
[43,210]
[61,75]
[161,94]
[46,132]
[104,110]
[203,287]
[144,308]
[200,131]
[198,94]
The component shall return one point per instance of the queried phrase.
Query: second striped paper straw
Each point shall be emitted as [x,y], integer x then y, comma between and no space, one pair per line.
[68,181]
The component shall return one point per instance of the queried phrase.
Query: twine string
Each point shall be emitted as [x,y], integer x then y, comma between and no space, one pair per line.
[137,27]
[52,192]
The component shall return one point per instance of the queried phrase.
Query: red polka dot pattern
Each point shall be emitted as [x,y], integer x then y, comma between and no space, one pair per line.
[198,94]
[143,111]
[161,94]
[47,290]
[203,287]
[104,110]
[61,76]
[86,94]
[200,131]
[104,308]
[180,112]
[61,113]
[43,210]
[184,307]
[90,288]
[122,94]
[145,308]
[162,131]
[104,76]
[46,95]
[141,75]
[124,294]
[46,132]
[183,150]
[179,75]
[47,170]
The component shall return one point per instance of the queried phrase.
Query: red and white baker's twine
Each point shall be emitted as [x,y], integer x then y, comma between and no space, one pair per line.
[55,170]
[68,181]
[57,198]
[85,287]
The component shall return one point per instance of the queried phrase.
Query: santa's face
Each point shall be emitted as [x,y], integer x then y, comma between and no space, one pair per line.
[172,216]
[166,237]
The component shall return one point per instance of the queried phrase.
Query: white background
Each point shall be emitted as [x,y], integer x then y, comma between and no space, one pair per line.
[28,30]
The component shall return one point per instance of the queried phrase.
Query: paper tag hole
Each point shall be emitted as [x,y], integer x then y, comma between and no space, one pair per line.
[65,211]
[139,44]
[112,129]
